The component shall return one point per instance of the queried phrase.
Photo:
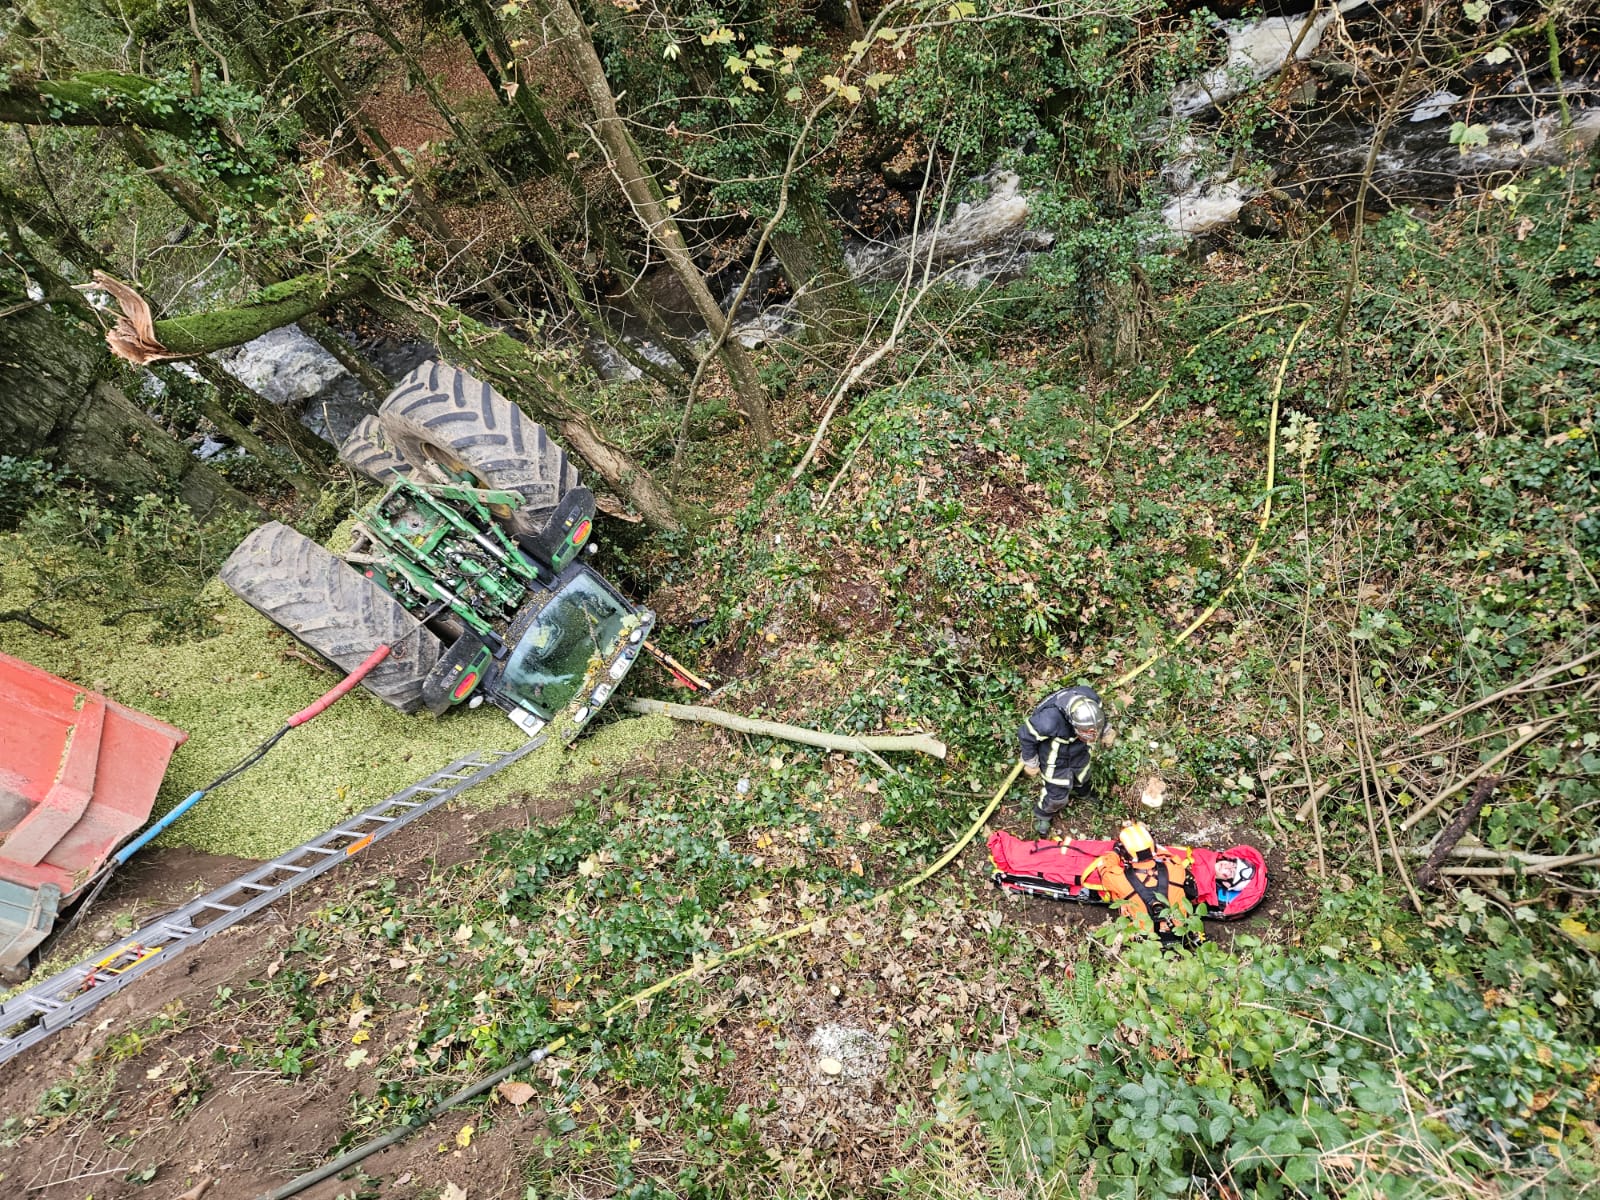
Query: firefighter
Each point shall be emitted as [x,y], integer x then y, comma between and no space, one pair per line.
[1056,743]
[1151,884]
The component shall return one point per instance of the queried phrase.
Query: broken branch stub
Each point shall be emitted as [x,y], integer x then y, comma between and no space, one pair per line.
[133,337]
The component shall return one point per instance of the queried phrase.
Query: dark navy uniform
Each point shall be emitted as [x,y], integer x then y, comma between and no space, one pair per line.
[1049,741]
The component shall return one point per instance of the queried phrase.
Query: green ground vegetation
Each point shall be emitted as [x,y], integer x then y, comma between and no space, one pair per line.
[987,528]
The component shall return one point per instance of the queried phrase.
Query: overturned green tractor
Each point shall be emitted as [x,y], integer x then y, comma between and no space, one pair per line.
[468,567]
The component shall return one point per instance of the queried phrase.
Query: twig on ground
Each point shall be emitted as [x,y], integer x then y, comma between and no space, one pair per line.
[23,617]
[1452,833]
[1361,765]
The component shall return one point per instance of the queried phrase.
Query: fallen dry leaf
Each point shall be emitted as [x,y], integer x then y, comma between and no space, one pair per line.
[515,1091]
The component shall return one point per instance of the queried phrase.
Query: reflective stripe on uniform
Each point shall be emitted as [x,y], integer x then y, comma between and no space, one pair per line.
[1049,773]
[1067,781]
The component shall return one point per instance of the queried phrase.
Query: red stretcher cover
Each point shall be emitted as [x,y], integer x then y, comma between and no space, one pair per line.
[1055,870]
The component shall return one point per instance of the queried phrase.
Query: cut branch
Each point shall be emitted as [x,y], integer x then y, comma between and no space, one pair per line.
[1452,833]
[921,743]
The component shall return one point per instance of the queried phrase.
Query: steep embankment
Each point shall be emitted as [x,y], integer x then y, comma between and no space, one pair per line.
[999,519]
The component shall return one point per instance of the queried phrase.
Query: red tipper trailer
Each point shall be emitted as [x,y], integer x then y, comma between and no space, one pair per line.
[78,774]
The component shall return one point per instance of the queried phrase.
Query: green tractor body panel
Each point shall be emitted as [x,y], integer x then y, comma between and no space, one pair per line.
[535,632]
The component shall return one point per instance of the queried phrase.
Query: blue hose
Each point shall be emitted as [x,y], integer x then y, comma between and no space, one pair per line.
[149,835]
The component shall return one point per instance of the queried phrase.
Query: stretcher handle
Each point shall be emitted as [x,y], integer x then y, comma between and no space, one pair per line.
[318,707]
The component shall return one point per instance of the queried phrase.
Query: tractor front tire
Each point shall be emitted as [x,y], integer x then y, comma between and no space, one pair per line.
[368,452]
[439,414]
[334,609]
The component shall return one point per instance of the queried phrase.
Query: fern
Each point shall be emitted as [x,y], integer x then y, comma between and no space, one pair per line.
[1071,1003]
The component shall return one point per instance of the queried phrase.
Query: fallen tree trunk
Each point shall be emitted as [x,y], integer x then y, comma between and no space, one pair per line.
[919,742]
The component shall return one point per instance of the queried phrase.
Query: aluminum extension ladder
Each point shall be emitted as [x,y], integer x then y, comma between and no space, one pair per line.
[33,1015]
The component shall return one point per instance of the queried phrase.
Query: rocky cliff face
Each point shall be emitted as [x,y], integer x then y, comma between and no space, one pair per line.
[57,402]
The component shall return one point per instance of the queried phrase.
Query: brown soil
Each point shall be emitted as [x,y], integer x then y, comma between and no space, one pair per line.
[167,1097]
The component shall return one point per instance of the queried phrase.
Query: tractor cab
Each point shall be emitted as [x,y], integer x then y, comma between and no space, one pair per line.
[529,628]
[568,652]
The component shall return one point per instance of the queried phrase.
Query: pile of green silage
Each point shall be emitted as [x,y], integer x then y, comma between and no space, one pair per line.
[237,686]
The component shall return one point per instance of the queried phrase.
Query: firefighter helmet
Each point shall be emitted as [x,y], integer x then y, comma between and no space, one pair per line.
[1135,844]
[1086,714]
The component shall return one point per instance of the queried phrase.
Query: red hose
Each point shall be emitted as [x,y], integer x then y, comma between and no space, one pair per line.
[317,707]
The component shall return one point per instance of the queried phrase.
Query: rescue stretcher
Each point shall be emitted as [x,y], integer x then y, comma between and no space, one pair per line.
[1055,870]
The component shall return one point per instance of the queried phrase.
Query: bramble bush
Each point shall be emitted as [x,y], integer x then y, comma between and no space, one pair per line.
[1287,1076]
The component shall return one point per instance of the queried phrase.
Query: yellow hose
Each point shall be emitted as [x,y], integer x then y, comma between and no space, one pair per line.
[718,961]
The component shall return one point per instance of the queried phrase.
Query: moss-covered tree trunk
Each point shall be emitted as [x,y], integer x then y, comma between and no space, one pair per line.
[271,308]
[97,98]
[645,197]
[73,249]
[492,48]
[57,403]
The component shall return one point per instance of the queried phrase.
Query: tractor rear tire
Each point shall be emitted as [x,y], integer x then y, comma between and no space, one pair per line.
[367,451]
[439,414]
[334,609]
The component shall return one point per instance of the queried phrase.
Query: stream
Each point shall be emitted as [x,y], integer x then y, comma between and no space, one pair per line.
[991,237]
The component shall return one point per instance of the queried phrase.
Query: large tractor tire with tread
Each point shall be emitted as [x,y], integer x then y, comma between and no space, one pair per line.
[334,609]
[439,414]
[367,450]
